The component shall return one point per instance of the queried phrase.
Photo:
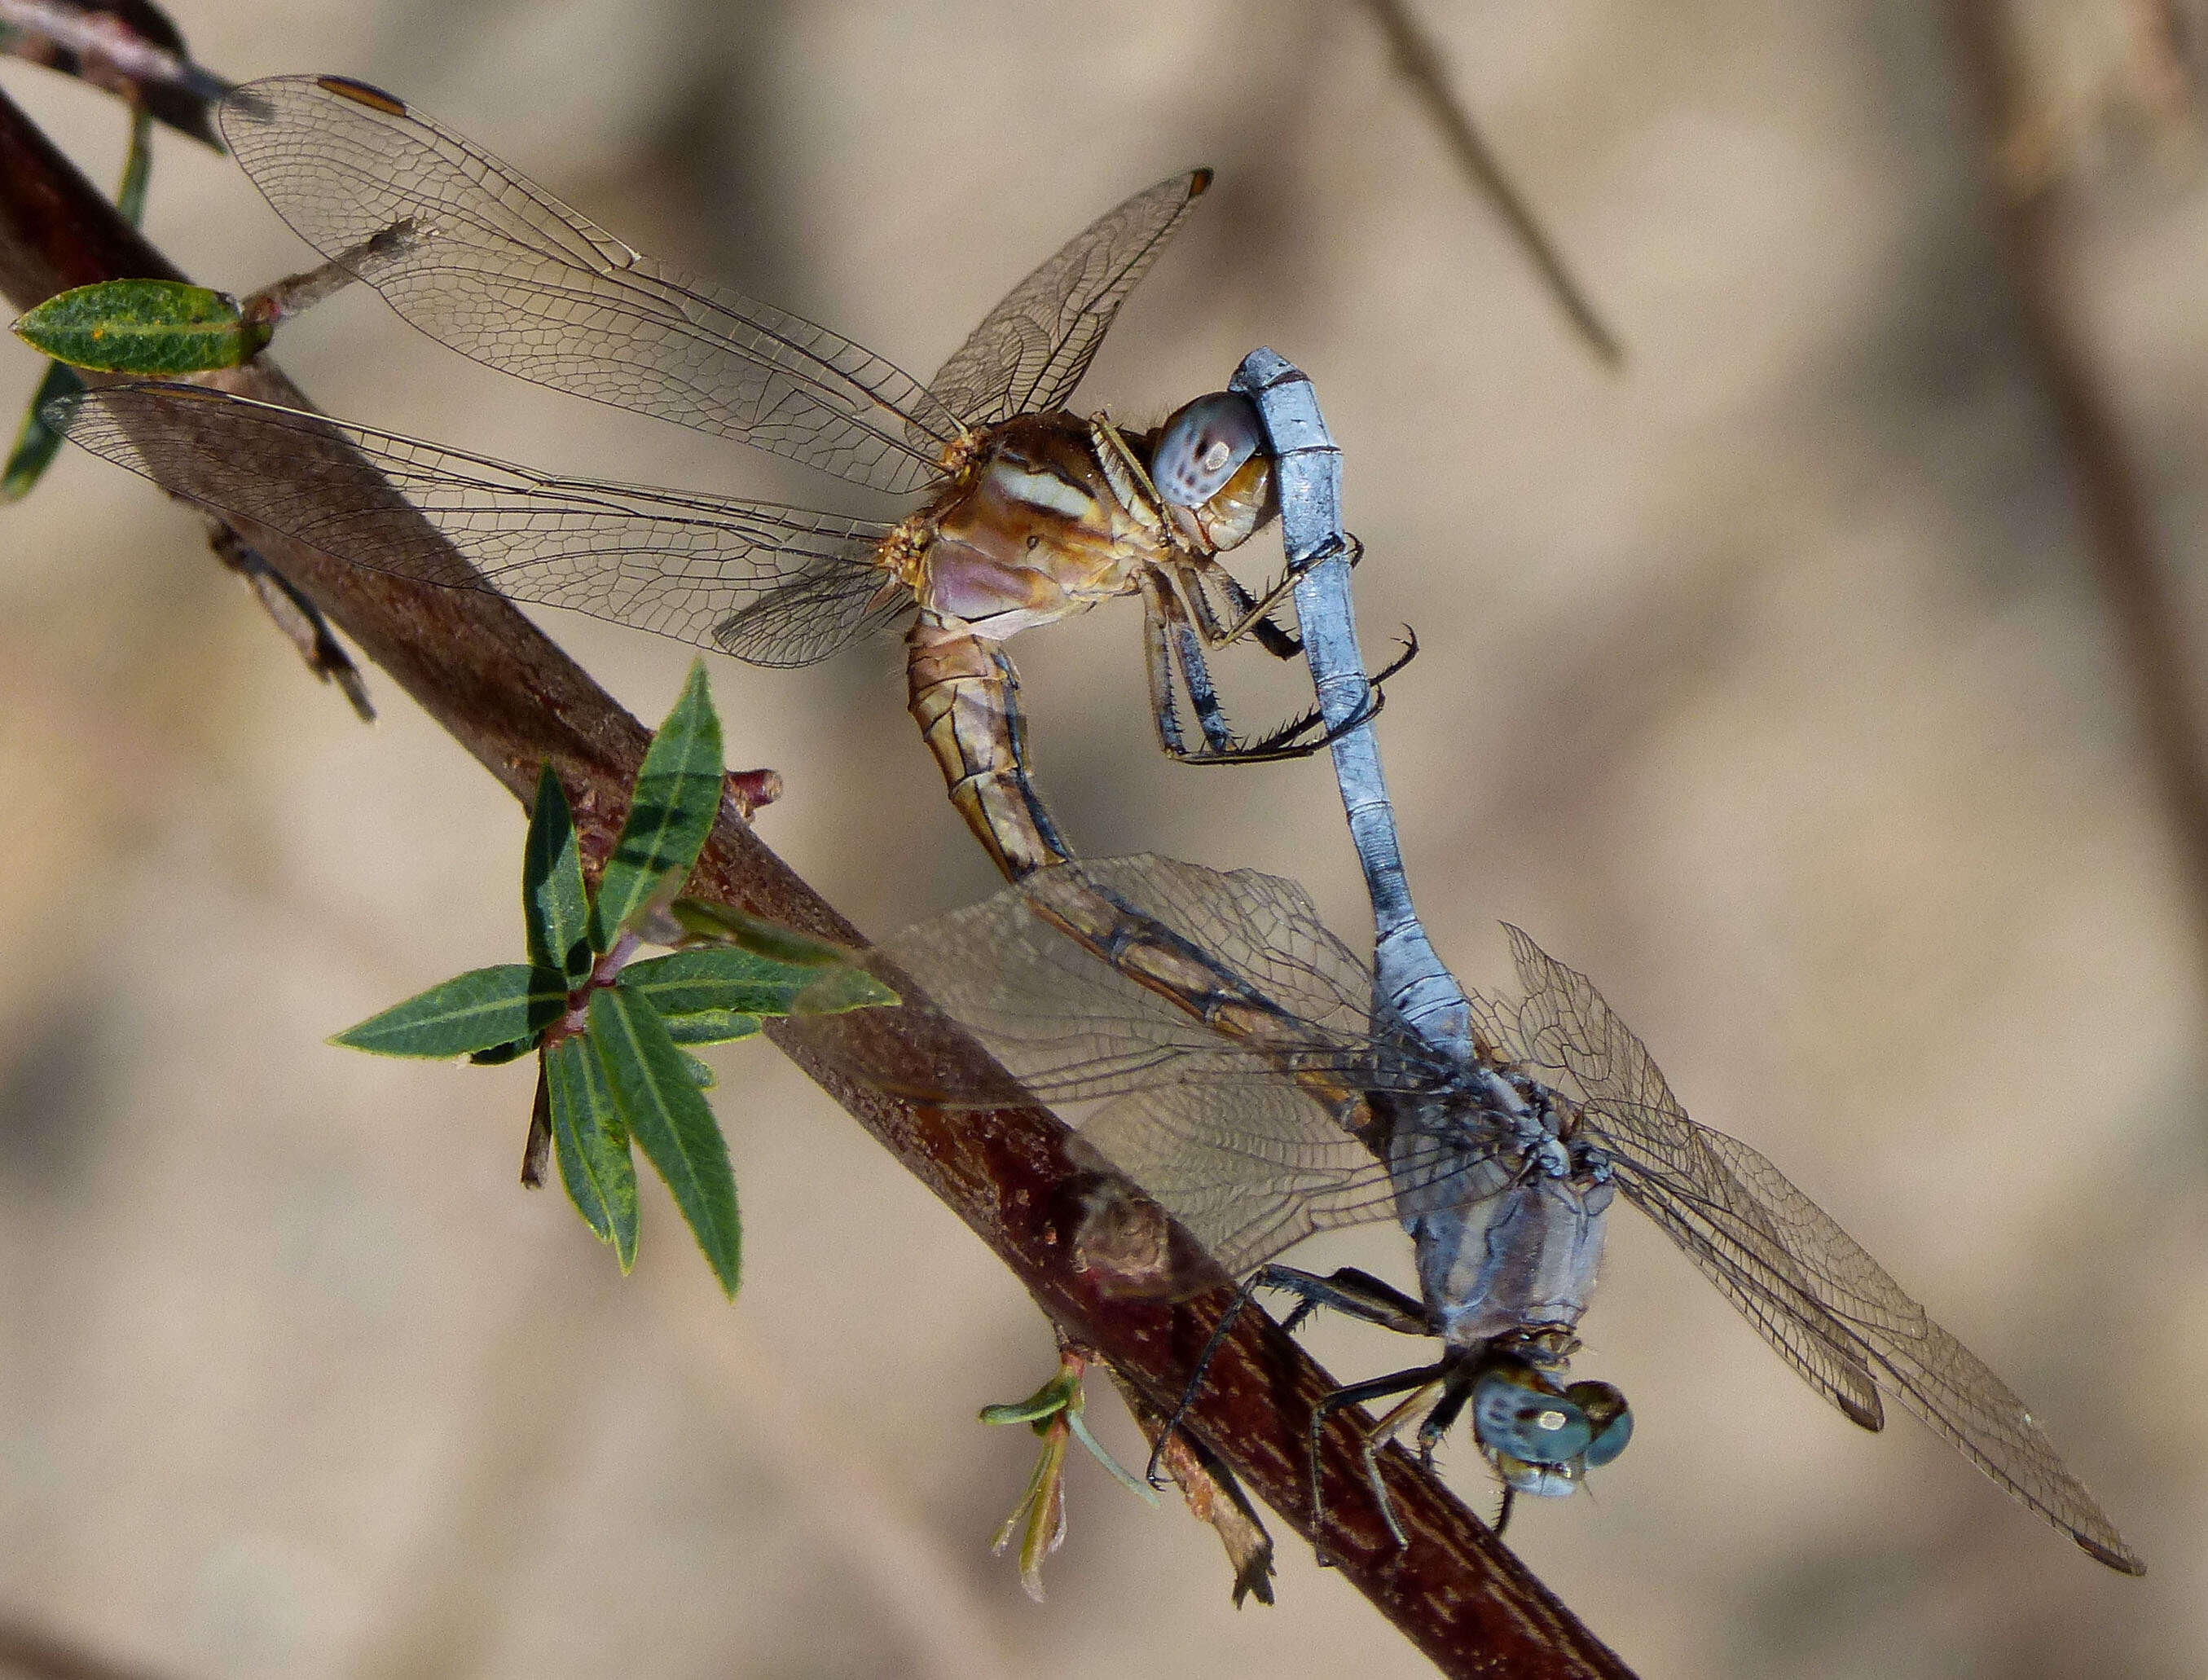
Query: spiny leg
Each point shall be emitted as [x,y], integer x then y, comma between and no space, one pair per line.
[1198,576]
[1256,611]
[1168,643]
[1420,1380]
[1357,1294]
[1285,743]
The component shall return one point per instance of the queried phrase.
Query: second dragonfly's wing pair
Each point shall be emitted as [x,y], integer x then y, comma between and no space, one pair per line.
[1235,1067]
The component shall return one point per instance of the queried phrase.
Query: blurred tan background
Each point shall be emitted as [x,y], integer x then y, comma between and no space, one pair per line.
[1765,681]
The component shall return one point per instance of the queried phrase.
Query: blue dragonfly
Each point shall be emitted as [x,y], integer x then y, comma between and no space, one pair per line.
[1264,1084]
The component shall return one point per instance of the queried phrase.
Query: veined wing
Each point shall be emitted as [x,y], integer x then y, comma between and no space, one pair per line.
[1073,1026]
[1032,349]
[1199,1053]
[702,568]
[1830,1309]
[1254,1165]
[501,271]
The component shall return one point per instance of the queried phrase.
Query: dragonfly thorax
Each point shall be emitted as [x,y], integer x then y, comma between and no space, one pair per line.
[1032,530]
[1507,1243]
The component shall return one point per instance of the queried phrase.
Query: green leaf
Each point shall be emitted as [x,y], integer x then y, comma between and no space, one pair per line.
[711,1026]
[37,442]
[137,167]
[592,1146]
[667,1117]
[840,990]
[701,1072]
[143,326]
[717,977]
[724,924]
[499,1054]
[678,794]
[484,1009]
[554,905]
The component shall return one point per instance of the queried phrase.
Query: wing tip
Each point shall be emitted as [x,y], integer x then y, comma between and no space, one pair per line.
[362,92]
[2112,1551]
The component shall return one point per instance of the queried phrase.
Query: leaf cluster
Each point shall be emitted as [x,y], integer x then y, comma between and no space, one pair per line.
[612,1034]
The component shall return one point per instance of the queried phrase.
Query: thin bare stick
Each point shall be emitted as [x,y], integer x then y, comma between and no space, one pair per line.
[513,701]
[2118,531]
[1422,65]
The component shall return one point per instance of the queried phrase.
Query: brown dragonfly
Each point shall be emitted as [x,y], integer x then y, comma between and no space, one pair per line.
[1032,513]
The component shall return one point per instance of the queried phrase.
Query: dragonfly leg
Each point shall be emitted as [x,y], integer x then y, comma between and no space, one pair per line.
[1288,741]
[1171,643]
[1446,1412]
[1422,1382]
[1253,615]
[1358,1293]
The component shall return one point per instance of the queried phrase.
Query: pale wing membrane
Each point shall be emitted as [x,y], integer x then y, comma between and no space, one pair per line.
[1263,931]
[1035,345]
[1209,1125]
[1069,1025]
[502,272]
[690,566]
[1252,1167]
[1803,1281]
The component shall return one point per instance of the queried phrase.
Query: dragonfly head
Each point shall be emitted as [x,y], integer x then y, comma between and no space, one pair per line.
[1209,466]
[1543,1438]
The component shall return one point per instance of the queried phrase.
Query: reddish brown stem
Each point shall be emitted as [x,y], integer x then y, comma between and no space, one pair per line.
[512,698]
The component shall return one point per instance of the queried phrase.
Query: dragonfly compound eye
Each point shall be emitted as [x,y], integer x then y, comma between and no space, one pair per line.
[1519,1415]
[1203,446]
[1607,1415]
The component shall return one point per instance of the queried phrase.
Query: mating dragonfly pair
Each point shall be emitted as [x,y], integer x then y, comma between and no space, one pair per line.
[1265,1085]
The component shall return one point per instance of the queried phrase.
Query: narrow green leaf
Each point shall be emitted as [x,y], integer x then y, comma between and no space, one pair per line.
[36,443]
[709,977]
[701,1072]
[726,925]
[499,1054]
[840,990]
[482,1009]
[554,905]
[678,794]
[592,1146]
[143,326]
[711,1026]
[667,1117]
[137,167]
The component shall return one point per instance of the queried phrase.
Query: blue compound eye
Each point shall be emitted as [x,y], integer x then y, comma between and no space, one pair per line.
[1202,446]
[1516,1413]
[1607,1415]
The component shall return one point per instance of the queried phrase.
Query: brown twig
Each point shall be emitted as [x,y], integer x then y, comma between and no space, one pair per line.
[512,698]
[2113,506]
[1422,65]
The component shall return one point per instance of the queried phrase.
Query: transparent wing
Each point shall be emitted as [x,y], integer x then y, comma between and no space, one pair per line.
[1183,993]
[1032,350]
[1073,1026]
[1829,1309]
[1253,1166]
[503,272]
[701,568]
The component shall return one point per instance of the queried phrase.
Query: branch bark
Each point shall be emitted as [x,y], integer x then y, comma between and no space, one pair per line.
[515,701]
